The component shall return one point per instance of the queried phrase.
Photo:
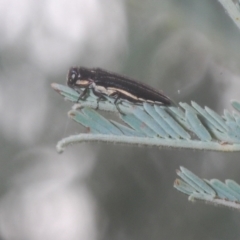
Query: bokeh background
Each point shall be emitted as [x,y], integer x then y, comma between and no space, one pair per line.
[93,191]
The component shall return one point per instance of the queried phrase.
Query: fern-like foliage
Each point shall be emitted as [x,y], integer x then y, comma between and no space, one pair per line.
[232,8]
[211,191]
[186,126]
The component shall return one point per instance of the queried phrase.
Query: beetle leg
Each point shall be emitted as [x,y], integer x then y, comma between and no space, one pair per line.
[101,97]
[83,94]
[117,101]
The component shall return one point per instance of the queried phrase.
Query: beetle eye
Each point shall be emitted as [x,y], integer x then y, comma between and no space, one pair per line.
[73,76]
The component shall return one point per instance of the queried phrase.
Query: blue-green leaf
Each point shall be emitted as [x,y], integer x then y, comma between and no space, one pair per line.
[212,191]
[152,125]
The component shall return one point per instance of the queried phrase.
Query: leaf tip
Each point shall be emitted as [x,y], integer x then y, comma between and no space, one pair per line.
[55,87]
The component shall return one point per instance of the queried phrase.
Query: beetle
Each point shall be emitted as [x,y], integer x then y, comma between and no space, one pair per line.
[104,83]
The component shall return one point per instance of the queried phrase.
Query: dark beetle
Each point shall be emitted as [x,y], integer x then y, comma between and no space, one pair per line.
[104,83]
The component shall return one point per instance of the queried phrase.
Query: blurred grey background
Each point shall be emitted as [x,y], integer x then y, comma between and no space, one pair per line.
[188,48]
